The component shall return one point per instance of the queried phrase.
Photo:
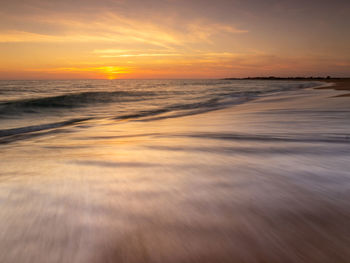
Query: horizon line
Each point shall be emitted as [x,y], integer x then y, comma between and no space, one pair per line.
[224,78]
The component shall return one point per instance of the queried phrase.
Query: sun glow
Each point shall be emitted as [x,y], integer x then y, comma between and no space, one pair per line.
[128,40]
[112,72]
[105,72]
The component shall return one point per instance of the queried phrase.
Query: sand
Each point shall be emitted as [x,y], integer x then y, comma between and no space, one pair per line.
[339,84]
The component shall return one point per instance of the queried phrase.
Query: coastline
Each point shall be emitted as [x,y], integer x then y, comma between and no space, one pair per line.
[340,85]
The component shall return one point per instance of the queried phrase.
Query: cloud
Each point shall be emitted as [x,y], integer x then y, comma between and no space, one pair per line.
[48,25]
[175,37]
[141,55]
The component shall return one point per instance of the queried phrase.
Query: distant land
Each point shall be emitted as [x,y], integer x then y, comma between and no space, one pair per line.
[288,78]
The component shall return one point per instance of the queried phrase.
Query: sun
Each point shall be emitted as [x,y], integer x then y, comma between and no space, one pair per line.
[112,72]
[111,77]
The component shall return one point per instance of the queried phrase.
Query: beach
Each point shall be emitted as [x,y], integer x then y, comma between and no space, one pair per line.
[340,84]
[251,179]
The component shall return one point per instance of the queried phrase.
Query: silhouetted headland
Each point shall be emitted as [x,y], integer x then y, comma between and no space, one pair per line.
[288,78]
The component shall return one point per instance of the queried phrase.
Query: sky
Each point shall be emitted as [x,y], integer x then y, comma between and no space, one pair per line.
[114,39]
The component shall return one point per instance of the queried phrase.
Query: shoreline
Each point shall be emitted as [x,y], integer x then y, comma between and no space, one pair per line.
[167,190]
[340,85]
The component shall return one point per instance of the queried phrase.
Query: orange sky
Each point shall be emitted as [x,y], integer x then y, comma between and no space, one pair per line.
[111,39]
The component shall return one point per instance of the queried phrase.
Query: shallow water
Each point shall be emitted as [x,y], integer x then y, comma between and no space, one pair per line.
[260,179]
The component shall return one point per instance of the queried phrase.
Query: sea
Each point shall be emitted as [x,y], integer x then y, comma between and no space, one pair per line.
[27,106]
[174,171]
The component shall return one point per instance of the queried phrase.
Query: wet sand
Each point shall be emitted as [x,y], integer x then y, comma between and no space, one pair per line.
[266,181]
[340,84]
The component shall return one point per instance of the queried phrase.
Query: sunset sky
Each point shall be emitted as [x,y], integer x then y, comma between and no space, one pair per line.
[108,39]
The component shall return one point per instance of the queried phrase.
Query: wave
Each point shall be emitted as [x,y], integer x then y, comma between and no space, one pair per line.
[71,100]
[180,110]
[305,138]
[312,138]
[144,105]
[177,110]
[209,95]
[34,129]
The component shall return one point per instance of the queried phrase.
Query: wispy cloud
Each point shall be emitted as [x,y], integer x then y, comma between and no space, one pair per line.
[140,55]
[174,38]
[125,53]
[111,27]
[112,51]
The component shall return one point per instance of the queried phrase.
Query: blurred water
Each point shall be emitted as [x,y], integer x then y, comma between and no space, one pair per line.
[260,176]
[28,103]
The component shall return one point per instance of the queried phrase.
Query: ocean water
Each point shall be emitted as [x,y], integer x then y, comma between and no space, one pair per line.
[57,103]
[173,171]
